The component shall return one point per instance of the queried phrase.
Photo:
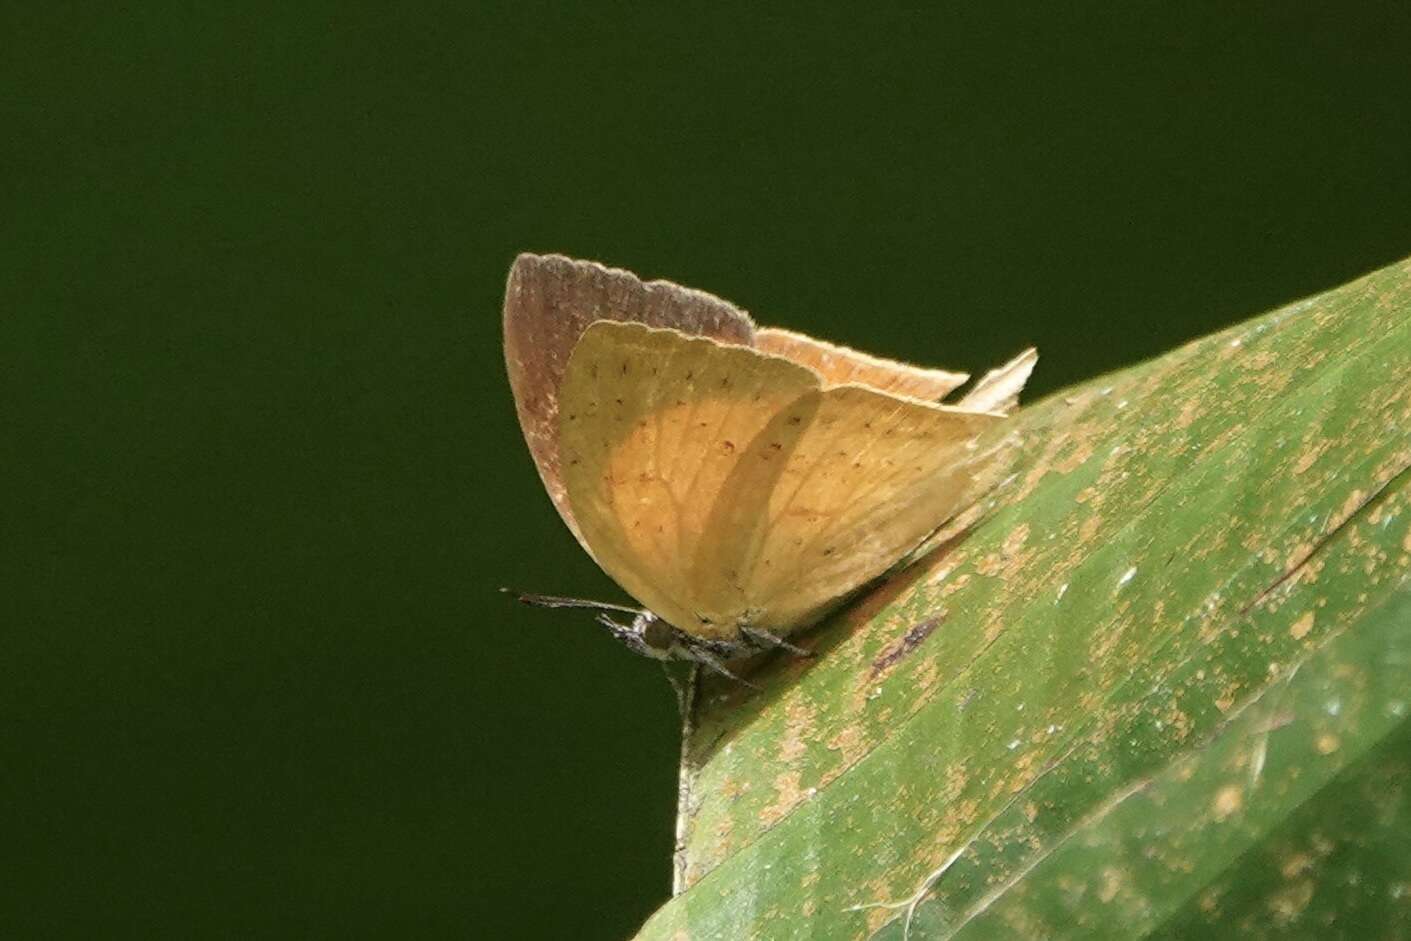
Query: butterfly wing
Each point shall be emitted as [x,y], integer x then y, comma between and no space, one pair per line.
[653,423]
[870,477]
[718,484]
[998,390]
[839,365]
[549,302]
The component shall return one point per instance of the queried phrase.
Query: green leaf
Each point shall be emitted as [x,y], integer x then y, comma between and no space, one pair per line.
[1160,687]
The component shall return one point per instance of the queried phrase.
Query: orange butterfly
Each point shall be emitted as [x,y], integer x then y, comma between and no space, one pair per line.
[738,481]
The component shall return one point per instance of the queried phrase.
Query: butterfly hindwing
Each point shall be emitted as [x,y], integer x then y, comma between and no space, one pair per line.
[720,485]
[870,477]
[652,425]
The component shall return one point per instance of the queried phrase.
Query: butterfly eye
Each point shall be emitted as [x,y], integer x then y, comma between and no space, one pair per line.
[657,634]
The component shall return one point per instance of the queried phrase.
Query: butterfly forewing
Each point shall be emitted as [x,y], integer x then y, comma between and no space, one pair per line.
[998,390]
[549,301]
[839,365]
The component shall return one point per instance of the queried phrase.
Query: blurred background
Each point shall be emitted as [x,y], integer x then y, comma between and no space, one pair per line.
[264,469]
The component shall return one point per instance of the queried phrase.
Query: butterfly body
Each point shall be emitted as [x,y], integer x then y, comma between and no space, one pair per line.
[737,481]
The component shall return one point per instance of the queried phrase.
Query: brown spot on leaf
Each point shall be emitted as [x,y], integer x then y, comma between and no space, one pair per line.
[787,793]
[1259,360]
[1288,904]
[1354,502]
[850,742]
[1296,865]
[1309,456]
[1302,626]
[1076,458]
[1111,884]
[908,642]
[1298,556]
[990,566]
[1016,539]
[1228,800]
[798,724]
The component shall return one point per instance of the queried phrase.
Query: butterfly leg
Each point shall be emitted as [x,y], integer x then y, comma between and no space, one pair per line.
[764,640]
[714,663]
[684,686]
[629,637]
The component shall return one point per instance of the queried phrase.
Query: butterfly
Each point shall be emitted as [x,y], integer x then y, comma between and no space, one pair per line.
[738,481]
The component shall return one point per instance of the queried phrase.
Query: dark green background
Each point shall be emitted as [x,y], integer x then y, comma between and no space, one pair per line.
[264,468]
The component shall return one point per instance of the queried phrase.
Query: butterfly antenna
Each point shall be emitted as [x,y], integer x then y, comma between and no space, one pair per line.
[558,601]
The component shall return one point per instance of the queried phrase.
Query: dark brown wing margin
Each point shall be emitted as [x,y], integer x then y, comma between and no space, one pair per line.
[550,300]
